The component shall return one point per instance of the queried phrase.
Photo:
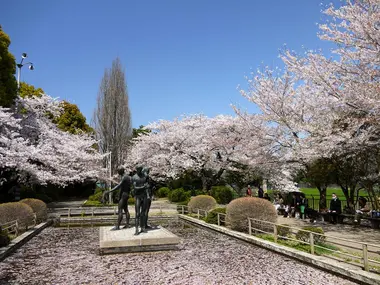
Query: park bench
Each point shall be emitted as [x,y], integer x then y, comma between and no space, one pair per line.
[375,222]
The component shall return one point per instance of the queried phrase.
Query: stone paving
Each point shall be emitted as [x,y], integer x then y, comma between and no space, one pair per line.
[68,256]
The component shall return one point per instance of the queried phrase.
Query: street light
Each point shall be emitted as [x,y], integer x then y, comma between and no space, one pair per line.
[20,65]
[109,166]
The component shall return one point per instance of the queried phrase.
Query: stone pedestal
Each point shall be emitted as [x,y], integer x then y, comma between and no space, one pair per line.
[124,240]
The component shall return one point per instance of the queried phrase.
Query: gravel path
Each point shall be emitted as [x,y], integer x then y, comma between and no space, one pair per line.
[68,256]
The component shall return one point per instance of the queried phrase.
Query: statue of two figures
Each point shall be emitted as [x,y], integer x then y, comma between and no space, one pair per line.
[141,186]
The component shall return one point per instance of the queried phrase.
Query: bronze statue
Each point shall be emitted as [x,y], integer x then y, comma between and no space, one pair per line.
[125,189]
[149,198]
[140,188]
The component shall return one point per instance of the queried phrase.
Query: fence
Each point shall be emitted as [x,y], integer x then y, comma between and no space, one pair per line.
[14,227]
[357,253]
[91,211]
[353,252]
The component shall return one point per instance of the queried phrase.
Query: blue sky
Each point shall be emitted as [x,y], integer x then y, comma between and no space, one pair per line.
[180,56]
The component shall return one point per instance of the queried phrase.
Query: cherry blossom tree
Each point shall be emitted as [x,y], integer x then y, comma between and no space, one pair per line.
[324,107]
[32,145]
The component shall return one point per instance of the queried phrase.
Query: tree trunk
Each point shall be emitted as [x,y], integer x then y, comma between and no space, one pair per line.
[322,197]
[351,201]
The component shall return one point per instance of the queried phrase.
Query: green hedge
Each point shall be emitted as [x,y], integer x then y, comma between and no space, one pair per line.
[222,194]
[163,192]
[212,216]
[179,195]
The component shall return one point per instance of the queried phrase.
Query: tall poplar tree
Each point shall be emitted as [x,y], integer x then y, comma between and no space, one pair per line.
[112,117]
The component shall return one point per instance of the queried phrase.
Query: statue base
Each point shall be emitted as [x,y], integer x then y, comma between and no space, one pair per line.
[124,240]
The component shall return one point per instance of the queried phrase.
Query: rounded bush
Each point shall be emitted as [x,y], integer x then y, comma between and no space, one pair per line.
[12,211]
[131,201]
[202,202]
[39,208]
[163,192]
[212,216]
[4,238]
[240,209]
[304,235]
[178,195]
[222,194]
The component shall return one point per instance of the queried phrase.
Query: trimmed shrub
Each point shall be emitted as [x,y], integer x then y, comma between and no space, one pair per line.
[4,238]
[96,197]
[16,211]
[305,236]
[212,216]
[222,194]
[202,202]
[283,230]
[131,201]
[200,192]
[163,192]
[240,209]
[179,195]
[39,208]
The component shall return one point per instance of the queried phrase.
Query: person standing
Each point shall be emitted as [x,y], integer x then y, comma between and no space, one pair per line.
[249,191]
[260,192]
[335,209]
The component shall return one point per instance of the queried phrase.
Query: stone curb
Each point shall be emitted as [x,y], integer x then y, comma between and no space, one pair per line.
[22,239]
[340,268]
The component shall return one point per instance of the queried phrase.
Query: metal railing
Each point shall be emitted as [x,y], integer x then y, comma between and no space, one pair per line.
[94,211]
[353,252]
[15,227]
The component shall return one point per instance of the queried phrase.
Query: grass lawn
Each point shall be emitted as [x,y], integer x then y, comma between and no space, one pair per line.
[338,191]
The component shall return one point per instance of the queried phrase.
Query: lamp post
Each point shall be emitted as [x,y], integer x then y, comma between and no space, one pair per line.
[109,166]
[20,65]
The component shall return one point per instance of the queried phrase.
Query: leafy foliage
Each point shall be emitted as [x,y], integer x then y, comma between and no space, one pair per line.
[8,83]
[4,238]
[163,192]
[283,230]
[72,120]
[38,207]
[240,209]
[304,235]
[28,90]
[212,216]
[202,202]
[222,194]
[97,196]
[179,195]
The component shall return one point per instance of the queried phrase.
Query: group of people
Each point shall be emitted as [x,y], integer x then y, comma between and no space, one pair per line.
[139,185]
[298,206]
[335,209]
[260,193]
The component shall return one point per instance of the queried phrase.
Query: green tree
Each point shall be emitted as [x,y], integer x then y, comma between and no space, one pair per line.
[72,120]
[140,131]
[28,90]
[8,83]
[320,174]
